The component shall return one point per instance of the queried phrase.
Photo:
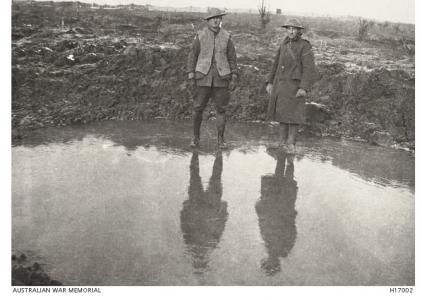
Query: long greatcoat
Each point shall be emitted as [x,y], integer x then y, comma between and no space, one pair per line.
[293,68]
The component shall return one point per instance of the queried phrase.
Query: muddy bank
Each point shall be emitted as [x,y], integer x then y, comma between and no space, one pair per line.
[27,272]
[89,67]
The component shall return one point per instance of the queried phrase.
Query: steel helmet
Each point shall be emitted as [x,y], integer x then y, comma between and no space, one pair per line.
[293,23]
[215,12]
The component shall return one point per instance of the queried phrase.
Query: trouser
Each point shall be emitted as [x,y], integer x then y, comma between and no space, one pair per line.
[220,97]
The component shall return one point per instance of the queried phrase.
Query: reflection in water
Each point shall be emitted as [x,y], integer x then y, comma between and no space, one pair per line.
[382,165]
[204,215]
[136,201]
[276,212]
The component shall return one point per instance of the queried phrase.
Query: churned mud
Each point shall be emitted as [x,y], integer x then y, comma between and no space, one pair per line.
[25,271]
[76,64]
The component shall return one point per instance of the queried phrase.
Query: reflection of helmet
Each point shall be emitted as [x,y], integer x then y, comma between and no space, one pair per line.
[293,23]
[214,12]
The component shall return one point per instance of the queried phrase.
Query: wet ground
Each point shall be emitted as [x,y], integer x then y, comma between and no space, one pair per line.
[128,203]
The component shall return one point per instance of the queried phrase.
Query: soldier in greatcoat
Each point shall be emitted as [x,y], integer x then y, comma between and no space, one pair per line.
[212,72]
[290,80]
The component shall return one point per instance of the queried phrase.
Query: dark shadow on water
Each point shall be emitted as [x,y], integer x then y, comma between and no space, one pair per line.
[204,214]
[276,211]
[380,165]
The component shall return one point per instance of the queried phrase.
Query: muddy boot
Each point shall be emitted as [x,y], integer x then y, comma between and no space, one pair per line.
[290,164]
[194,142]
[291,139]
[221,143]
[197,120]
[284,132]
[291,149]
[221,124]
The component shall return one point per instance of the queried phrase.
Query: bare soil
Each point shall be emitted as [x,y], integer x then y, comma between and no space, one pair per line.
[26,271]
[77,64]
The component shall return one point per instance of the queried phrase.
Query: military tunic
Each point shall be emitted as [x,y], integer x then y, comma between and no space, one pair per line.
[212,84]
[212,78]
[293,68]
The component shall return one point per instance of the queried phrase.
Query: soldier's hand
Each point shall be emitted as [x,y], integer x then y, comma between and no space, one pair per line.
[300,93]
[233,82]
[269,88]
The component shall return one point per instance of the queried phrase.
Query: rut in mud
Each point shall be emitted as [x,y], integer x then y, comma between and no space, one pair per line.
[84,65]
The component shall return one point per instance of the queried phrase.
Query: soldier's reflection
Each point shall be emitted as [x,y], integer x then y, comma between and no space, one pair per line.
[276,212]
[204,215]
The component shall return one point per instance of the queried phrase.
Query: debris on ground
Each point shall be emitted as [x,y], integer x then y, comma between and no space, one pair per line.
[27,272]
[87,65]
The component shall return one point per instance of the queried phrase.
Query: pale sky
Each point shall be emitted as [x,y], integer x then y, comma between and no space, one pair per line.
[381,10]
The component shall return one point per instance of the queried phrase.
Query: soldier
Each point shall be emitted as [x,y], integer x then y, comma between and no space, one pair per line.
[291,77]
[212,72]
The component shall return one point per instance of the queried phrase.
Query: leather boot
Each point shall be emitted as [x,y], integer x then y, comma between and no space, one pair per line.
[291,140]
[221,124]
[284,132]
[197,120]
[291,149]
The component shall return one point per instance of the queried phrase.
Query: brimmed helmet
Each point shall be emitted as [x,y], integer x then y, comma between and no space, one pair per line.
[293,23]
[214,12]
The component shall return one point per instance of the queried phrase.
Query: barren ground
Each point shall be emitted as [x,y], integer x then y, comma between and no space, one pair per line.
[84,65]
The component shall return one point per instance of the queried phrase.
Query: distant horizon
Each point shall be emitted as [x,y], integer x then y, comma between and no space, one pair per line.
[398,12]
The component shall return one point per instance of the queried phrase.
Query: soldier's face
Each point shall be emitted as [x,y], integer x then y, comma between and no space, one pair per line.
[292,32]
[214,23]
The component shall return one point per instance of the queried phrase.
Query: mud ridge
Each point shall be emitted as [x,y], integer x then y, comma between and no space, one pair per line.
[78,65]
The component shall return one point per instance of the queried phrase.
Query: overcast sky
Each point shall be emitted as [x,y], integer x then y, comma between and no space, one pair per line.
[389,10]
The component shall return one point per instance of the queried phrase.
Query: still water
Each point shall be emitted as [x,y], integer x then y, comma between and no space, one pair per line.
[128,203]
